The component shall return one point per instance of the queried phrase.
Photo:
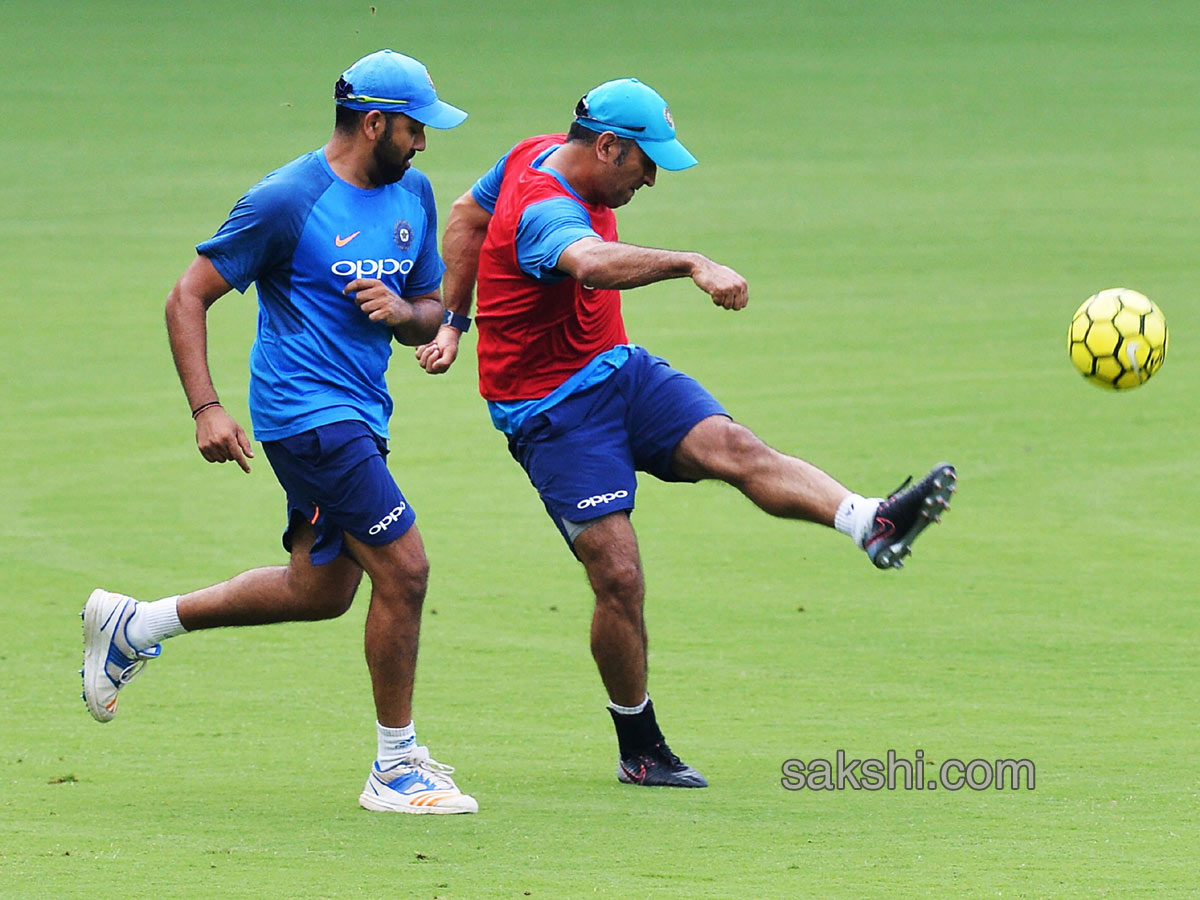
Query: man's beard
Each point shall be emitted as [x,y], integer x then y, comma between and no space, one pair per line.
[387,169]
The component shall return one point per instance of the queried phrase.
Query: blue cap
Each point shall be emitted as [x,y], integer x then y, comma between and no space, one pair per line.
[392,82]
[630,109]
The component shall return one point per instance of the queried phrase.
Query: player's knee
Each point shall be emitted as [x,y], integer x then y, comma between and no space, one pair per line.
[416,581]
[743,446]
[337,603]
[734,452]
[404,585]
[619,585]
[327,597]
[318,602]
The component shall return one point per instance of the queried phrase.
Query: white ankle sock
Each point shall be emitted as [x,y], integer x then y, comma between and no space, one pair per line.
[629,710]
[154,622]
[395,744]
[854,517]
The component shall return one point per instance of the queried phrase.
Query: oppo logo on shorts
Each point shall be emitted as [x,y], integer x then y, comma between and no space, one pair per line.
[389,520]
[371,268]
[600,499]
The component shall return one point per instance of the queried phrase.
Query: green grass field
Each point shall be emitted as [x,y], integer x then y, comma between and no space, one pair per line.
[919,194]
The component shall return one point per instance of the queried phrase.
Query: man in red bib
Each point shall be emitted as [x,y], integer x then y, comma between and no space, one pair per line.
[584,410]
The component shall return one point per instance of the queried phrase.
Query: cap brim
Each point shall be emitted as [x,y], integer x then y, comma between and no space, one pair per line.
[437,114]
[670,155]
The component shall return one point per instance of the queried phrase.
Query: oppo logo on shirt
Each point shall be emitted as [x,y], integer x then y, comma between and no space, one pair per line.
[371,268]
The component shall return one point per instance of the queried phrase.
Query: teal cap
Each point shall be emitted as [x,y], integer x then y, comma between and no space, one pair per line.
[392,82]
[630,109]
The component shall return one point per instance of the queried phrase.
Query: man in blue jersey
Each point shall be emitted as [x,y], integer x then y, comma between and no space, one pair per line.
[584,410]
[342,247]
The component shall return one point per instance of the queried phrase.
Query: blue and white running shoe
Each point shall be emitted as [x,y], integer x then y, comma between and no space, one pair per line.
[109,661]
[418,784]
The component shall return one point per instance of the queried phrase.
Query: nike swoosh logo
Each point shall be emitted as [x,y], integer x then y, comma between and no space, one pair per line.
[343,241]
[1131,350]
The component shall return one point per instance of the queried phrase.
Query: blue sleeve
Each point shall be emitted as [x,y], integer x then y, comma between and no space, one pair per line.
[261,232]
[486,190]
[546,229]
[427,270]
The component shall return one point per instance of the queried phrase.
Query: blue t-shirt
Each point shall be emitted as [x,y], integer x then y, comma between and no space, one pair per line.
[545,230]
[301,235]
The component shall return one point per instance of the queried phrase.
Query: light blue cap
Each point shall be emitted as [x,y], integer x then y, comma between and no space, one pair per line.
[630,109]
[392,82]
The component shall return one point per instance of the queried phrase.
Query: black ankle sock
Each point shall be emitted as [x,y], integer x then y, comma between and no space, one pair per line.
[636,733]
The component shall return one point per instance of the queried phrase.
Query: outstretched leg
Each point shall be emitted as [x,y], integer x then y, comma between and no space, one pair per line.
[779,484]
[785,486]
[119,641]
[297,592]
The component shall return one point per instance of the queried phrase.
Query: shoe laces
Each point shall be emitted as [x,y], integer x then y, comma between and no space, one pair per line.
[907,481]
[669,756]
[656,755]
[439,773]
[137,661]
[132,671]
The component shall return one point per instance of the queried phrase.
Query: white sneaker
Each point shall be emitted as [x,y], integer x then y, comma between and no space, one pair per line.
[418,784]
[109,661]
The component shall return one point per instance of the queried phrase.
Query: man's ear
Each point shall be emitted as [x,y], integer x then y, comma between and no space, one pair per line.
[608,145]
[374,123]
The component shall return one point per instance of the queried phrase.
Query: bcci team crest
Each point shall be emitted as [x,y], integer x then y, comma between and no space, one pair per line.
[667,115]
[403,235]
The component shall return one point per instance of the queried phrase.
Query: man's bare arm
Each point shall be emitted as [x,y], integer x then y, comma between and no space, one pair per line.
[465,230]
[612,264]
[218,437]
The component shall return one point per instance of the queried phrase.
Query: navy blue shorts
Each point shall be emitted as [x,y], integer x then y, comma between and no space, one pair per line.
[335,478]
[582,454]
